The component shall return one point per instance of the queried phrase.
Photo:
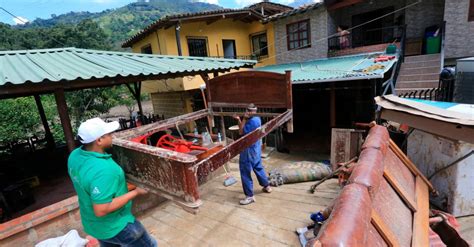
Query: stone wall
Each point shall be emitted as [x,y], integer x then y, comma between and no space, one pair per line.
[423,15]
[318,26]
[459,32]
[417,17]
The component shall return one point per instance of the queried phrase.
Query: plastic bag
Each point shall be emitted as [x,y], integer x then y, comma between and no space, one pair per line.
[71,239]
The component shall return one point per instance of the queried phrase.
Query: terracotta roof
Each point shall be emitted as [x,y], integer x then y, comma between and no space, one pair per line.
[292,12]
[270,4]
[171,19]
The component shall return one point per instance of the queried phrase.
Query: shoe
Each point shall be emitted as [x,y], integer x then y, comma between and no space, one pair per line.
[267,189]
[247,200]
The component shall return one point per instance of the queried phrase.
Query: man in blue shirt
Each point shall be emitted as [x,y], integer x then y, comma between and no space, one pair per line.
[250,158]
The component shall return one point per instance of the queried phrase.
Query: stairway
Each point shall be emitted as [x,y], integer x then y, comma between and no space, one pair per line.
[418,73]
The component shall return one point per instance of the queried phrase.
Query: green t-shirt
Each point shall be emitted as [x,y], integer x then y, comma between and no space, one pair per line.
[98,179]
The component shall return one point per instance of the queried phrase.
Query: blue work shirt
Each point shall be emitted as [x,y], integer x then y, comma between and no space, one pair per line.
[253,152]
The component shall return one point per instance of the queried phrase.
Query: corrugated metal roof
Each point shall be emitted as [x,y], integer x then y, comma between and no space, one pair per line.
[292,12]
[333,69]
[66,64]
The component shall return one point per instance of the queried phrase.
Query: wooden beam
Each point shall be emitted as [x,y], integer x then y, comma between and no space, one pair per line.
[65,120]
[407,162]
[343,4]
[207,98]
[138,94]
[239,18]
[177,31]
[44,120]
[332,107]
[421,218]
[400,190]
[209,22]
[384,230]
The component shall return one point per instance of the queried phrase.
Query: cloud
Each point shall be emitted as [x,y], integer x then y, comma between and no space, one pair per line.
[286,1]
[20,20]
[242,3]
[208,1]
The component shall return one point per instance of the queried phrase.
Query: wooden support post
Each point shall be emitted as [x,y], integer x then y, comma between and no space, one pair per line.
[289,125]
[223,127]
[332,106]
[210,118]
[138,94]
[64,116]
[44,120]
[178,38]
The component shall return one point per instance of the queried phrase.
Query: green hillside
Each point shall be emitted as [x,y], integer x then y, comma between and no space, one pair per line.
[121,23]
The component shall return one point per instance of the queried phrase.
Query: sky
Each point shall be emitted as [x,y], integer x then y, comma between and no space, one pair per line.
[32,9]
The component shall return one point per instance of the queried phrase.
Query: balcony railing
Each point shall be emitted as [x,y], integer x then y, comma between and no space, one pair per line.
[361,37]
[242,57]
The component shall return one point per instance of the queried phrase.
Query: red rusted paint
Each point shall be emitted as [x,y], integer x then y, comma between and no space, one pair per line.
[392,221]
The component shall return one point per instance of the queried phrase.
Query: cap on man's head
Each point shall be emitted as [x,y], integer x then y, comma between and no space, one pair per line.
[94,128]
[251,107]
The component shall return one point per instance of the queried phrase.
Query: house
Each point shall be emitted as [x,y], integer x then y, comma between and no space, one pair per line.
[435,32]
[225,33]
[427,33]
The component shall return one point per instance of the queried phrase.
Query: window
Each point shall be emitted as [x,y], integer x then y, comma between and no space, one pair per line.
[298,35]
[260,45]
[470,16]
[146,49]
[197,47]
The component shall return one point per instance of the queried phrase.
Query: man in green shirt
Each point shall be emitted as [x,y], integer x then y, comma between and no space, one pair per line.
[104,201]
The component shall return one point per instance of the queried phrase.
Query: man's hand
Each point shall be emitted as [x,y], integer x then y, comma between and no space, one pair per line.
[101,210]
[236,117]
[141,191]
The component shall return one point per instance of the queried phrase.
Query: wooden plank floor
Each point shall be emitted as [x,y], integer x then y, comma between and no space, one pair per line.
[221,221]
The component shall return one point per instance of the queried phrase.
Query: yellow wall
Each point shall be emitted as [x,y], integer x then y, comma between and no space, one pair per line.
[215,33]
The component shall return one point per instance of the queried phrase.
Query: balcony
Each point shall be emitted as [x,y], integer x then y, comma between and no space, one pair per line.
[359,40]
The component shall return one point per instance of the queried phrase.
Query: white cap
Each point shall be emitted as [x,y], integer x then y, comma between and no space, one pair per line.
[94,128]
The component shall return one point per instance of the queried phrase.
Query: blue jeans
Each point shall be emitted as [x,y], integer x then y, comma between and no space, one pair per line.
[134,234]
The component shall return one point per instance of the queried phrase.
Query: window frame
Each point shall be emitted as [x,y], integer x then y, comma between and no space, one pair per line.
[198,37]
[145,47]
[252,36]
[470,11]
[308,31]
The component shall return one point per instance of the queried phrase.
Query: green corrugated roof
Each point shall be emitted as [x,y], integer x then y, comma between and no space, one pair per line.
[67,64]
[333,69]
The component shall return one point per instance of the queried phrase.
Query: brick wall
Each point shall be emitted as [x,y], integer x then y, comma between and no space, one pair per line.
[171,104]
[422,15]
[318,49]
[56,220]
[459,32]
[49,222]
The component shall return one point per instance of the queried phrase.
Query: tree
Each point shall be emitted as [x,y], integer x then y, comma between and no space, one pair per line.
[19,119]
